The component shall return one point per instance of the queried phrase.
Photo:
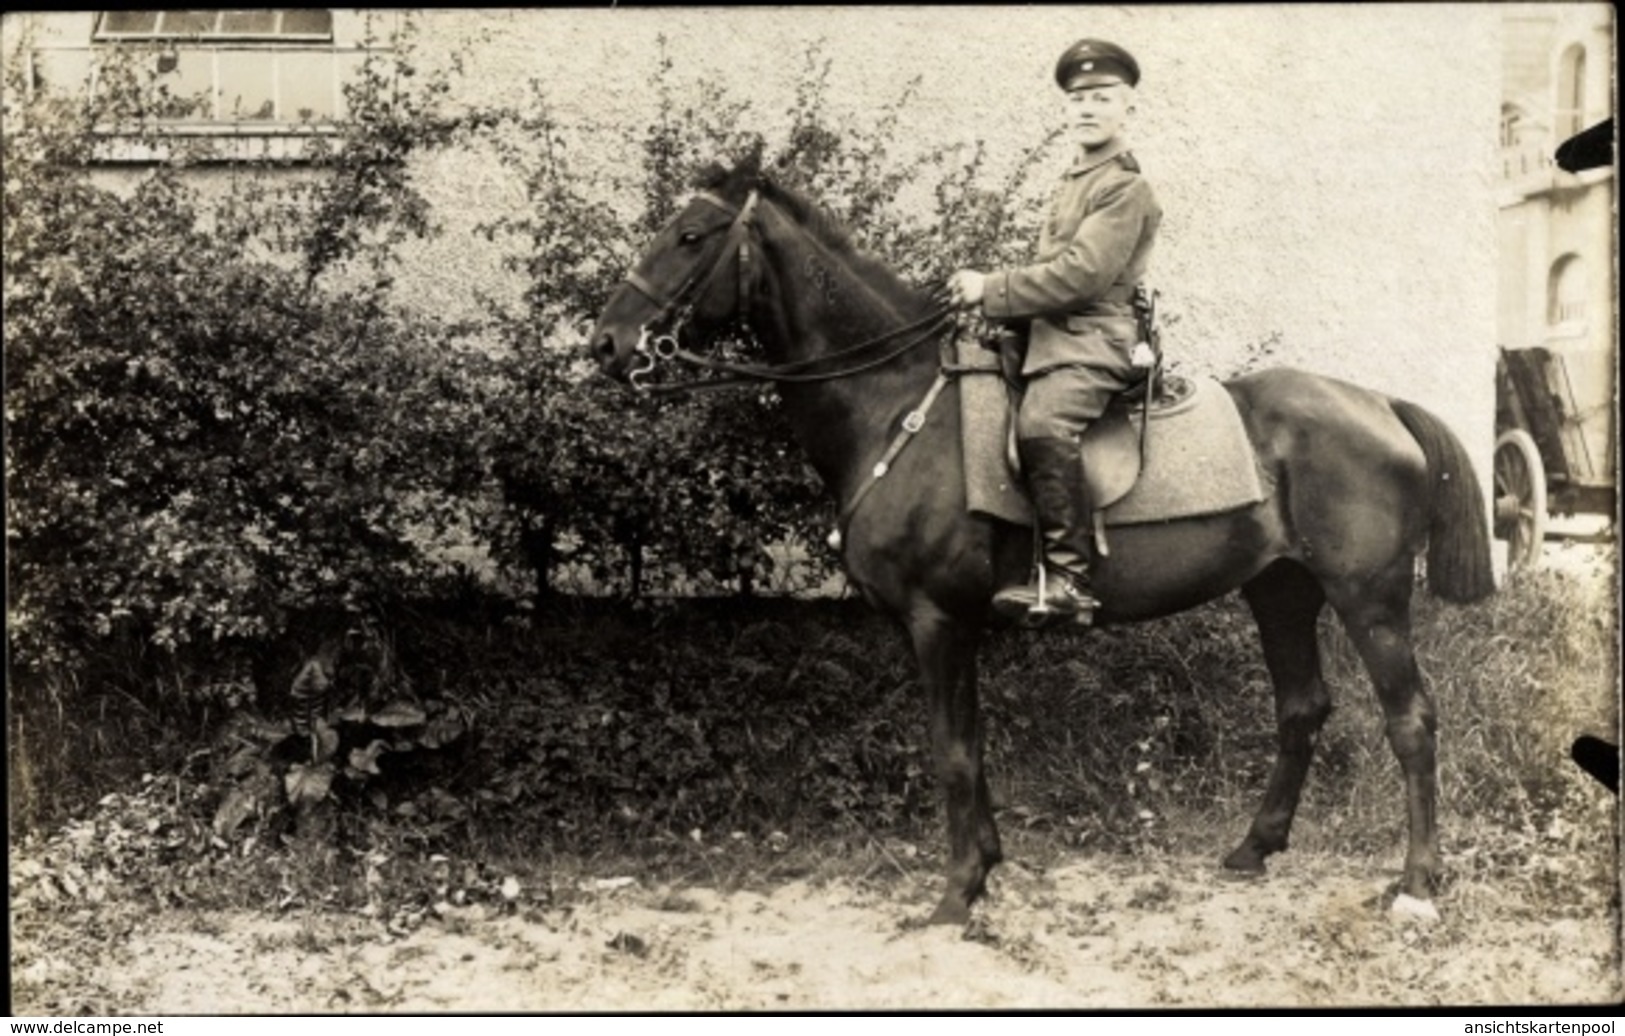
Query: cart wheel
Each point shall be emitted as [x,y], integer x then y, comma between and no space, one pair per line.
[1520,497]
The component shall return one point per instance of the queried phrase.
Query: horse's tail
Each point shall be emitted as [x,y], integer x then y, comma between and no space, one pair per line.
[1459,567]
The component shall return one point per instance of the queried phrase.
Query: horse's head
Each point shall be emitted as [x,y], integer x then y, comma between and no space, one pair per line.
[695,276]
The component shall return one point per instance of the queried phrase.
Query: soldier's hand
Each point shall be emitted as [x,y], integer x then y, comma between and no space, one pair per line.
[965,289]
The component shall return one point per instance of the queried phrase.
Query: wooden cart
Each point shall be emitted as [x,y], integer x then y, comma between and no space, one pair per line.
[1549,456]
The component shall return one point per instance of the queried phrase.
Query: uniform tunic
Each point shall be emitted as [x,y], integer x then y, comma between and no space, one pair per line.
[1078,294]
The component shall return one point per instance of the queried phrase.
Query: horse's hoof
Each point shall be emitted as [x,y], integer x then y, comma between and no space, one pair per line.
[1408,908]
[949,911]
[1244,863]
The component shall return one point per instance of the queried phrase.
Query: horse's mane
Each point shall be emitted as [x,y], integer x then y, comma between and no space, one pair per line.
[821,224]
[813,217]
[818,220]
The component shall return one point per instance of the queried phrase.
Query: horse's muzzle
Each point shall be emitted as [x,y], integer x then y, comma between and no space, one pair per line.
[612,360]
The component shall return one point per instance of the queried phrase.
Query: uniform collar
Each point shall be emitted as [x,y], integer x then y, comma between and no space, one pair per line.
[1084,162]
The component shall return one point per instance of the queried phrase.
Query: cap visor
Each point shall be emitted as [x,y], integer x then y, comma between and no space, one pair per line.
[1092,79]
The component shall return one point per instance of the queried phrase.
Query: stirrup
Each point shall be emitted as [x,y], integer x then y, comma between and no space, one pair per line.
[1080,609]
[1035,606]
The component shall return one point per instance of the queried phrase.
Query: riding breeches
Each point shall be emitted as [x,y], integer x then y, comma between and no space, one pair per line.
[1062,401]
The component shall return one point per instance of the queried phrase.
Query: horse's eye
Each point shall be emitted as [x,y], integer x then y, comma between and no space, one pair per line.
[689,237]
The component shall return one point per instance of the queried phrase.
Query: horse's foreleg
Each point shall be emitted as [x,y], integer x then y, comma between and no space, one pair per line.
[1380,628]
[1286,601]
[946,652]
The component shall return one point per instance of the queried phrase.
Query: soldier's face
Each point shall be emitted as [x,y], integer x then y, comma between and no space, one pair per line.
[1099,112]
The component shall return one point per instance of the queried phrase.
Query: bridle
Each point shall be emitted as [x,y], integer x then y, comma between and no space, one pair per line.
[677,307]
[680,302]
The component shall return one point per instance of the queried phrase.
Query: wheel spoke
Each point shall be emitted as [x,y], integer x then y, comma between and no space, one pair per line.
[1520,483]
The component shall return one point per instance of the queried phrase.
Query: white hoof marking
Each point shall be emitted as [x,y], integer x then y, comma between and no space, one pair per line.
[1409,908]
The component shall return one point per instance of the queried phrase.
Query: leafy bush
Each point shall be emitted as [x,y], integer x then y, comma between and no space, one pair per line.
[227,442]
[625,722]
[221,418]
[598,724]
[687,496]
[203,440]
[357,735]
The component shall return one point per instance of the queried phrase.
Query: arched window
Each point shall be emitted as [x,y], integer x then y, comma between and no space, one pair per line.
[1566,291]
[1511,116]
[1571,93]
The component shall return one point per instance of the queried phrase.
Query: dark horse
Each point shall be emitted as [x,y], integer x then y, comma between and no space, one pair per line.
[1362,485]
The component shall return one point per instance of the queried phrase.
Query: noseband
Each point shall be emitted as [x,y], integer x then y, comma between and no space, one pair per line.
[678,305]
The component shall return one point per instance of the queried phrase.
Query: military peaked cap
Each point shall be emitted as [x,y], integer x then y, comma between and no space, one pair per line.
[1096,63]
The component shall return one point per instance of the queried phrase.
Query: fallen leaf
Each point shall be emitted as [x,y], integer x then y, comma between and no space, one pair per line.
[308,783]
[398,714]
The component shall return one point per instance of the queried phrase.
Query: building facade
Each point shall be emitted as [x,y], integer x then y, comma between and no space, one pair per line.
[1558,287]
[1322,205]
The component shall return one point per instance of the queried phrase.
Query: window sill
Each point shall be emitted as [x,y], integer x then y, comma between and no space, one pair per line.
[216,143]
[1569,330]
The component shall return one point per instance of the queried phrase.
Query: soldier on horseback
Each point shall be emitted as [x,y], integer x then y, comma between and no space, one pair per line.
[1078,303]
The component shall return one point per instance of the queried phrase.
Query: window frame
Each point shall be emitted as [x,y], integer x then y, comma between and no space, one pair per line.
[1567,310]
[1569,100]
[214,49]
[75,57]
[101,34]
[75,63]
[1512,124]
[218,119]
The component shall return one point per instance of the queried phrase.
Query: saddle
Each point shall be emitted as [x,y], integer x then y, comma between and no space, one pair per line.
[1170,447]
[1113,445]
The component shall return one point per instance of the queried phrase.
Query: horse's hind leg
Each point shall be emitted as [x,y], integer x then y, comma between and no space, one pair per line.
[1285,601]
[946,651]
[1376,614]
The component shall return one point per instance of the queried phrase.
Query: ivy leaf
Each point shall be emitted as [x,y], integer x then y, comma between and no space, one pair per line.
[399,714]
[308,783]
[238,806]
[325,741]
[244,761]
[442,730]
[270,731]
[365,760]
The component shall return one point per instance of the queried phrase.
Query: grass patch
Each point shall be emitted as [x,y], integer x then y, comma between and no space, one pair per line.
[737,745]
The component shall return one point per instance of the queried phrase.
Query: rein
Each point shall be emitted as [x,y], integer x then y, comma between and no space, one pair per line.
[680,304]
[792,372]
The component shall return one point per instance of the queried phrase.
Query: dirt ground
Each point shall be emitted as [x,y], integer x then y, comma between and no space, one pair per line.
[1096,933]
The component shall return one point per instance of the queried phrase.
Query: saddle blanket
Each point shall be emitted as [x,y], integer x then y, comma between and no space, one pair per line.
[1198,459]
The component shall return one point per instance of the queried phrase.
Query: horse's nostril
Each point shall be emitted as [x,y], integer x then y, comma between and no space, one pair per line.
[605,347]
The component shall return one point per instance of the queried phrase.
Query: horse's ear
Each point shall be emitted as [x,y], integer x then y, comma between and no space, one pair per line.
[750,165]
[710,175]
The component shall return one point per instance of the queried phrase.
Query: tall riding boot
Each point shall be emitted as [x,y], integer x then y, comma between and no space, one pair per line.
[1054,473]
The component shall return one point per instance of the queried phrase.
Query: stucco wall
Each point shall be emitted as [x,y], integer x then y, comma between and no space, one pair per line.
[1326,171]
